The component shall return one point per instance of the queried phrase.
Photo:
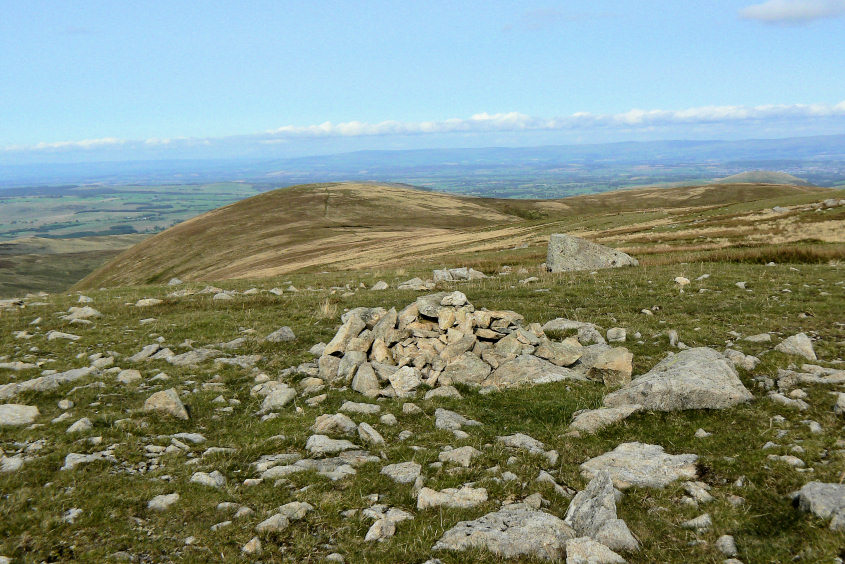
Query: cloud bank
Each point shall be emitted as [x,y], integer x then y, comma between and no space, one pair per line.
[793,12]
[631,120]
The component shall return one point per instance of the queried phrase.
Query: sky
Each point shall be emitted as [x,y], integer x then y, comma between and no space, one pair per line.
[168,79]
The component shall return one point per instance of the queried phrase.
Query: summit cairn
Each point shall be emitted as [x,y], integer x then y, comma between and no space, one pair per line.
[567,253]
[440,340]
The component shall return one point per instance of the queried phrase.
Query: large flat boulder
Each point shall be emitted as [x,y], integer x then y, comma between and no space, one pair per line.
[529,369]
[699,378]
[642,465]
[567,253]
[515,530]
[825,501]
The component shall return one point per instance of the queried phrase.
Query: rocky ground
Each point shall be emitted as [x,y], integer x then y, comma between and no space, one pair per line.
[688,413]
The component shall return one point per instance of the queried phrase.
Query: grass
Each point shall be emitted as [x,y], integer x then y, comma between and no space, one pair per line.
[766,527]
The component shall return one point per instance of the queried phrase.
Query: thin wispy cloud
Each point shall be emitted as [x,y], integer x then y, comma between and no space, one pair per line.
[793,12]
[631,120]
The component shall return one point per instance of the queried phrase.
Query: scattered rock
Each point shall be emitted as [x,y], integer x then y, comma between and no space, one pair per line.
[167,402]
[162,502]
[567,253]
[463,498]
[513,531]
[282,335]
[642,465]
[592,513]
[212,479]
[592,420]
[799,345]
[15,414]
[698,378]
[584,550]
[825,501]
[402,472]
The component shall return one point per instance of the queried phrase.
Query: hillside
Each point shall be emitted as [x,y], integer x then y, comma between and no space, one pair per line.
[354,226]
[763,176]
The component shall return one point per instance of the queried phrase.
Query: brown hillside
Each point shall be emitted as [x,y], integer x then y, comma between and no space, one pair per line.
[359,225]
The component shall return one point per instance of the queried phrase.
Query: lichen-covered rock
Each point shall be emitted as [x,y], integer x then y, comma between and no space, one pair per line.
[584,550]
[799,345]
[592,513]
[567,253]
[167,402]
[513,531]
[642,465]
[825,501]
[528,369]
[15,414]
[590,421]
[462,498]
[699,378]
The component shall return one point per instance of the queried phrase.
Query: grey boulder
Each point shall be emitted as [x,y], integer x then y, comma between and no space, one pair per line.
[699,378]
[514,531]
[567,253]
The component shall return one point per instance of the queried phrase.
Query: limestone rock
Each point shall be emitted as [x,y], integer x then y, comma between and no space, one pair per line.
[277,399]
[365,381]
[592,513]
[592,420]
[642,465]
[462,456]
[402,472]
[350,329]
[368,434]
[515,530]
[380,530]
[467,369]
[273,524]
[282,335]
[699,378]
[613,367]
[405,381]
[167,402]
[584,550]
[528,369]
[825,501]
[567,253]
[523,442]
[129,376]
[565,353]
[321,444]
[334,424]
[212,479]
[15,414]
[162,502]
[799,345]
[463,498]
[449,420]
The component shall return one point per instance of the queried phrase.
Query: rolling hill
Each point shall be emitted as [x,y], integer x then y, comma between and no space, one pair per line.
[358,225]
[763,176]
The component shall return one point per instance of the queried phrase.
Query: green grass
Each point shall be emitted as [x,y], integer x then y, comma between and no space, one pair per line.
[767,528]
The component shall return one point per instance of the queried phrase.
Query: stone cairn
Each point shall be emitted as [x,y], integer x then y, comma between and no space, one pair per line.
[441,339]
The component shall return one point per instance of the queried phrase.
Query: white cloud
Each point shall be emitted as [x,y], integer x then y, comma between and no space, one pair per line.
[515,121]
[793,12]
[631,120]
[84,144]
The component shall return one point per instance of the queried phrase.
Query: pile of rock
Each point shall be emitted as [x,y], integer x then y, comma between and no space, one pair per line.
[441,339]
[458,274]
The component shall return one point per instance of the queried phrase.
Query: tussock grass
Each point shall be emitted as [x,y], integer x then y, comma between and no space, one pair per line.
[767,528]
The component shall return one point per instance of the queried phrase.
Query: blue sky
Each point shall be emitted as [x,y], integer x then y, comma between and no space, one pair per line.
[157,78]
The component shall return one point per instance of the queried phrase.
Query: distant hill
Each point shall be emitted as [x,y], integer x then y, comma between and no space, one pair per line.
[369,226]
[763,177]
